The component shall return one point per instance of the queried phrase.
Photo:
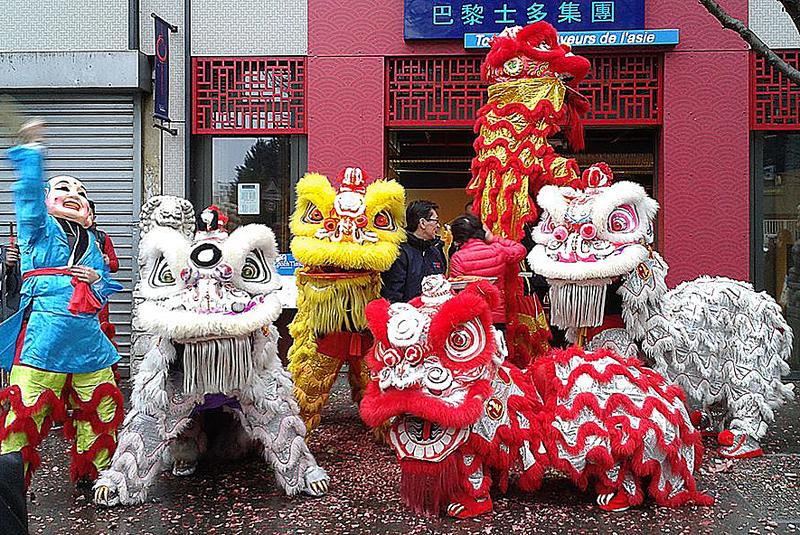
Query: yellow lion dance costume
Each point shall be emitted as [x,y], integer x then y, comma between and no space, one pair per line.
[344,239]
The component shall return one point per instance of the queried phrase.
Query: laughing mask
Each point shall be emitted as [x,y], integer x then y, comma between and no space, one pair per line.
[66,198]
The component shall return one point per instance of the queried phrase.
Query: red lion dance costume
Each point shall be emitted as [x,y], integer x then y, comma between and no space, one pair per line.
[531,93]
[461,415]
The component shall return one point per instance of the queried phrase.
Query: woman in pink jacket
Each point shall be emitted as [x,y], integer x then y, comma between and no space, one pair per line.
[479,253]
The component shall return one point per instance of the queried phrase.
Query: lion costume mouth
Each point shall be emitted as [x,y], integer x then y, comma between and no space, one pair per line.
[423,440]
[212,365]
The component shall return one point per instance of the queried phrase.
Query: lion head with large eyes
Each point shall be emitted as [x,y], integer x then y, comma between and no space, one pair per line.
[433,361]
[358,227]
[213,287]
[599,232]
[532,52]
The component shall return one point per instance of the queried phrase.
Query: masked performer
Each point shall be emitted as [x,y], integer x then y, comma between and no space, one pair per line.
[462,418]
[61,359]
[212,384]
[344,239]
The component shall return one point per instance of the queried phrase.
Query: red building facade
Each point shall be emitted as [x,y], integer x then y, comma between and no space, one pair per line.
[699,100]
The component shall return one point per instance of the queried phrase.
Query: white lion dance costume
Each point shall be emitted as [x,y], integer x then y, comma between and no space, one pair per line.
[462,416]
[211,302]
[725,344]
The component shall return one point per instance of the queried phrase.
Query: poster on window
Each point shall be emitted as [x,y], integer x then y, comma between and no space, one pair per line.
[249,197]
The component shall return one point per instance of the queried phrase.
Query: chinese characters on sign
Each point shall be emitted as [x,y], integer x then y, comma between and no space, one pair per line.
[451,19]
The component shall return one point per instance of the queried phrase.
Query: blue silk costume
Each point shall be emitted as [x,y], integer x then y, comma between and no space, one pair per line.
[55,339]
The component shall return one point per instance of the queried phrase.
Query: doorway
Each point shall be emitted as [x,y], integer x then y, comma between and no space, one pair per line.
[434,164]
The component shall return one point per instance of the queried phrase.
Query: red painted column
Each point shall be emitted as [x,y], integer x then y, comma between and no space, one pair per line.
[348,41]
[345,114]
[704,187]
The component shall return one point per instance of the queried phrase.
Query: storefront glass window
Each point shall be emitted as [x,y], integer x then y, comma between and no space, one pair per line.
[253,181]
[776,157]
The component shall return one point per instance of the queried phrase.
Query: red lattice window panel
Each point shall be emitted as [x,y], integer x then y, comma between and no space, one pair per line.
[249,95]
[774,99]
[623,90]
[448,91]
[434,91]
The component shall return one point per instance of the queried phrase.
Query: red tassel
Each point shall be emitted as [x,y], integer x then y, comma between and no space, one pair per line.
[427,488]
[83,299]
[87,410]
[82,466]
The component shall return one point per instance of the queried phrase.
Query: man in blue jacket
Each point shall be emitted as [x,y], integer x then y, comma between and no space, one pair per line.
[61,359]
[422,254]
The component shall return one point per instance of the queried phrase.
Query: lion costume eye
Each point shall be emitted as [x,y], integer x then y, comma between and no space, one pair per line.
[466,342]
[384,221]
[513,66]
[623,219]
[312,215]
[162,275]
[255,268]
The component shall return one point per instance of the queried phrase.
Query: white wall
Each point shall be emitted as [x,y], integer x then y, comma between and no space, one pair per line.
[769,21]
[173,164]
[249,28]
[63,25]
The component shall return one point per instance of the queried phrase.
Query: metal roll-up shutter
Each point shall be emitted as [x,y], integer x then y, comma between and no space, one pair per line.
[93,137]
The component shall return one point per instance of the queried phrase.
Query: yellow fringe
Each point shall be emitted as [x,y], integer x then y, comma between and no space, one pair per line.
[382,195]
[333,305]
[325,306]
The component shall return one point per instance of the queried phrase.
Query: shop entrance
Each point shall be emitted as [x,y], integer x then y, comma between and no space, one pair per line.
[435,164]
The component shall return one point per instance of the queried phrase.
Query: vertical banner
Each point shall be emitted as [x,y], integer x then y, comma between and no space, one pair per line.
[161,110]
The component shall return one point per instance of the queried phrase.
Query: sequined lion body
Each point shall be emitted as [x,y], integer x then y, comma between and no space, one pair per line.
[344,238]
[462,418]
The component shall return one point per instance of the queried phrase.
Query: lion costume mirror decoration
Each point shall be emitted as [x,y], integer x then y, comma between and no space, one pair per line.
[724,343]
[210,303]
[460,414]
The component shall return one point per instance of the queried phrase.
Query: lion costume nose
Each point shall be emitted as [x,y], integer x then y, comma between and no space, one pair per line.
[206,255]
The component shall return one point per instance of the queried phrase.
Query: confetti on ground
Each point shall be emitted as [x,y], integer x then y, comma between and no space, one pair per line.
[227,498]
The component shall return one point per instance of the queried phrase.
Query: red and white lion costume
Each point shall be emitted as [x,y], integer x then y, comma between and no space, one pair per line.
[460,415]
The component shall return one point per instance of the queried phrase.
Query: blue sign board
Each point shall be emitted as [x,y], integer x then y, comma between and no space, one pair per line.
[594,38]
[286,264]
[451,19]
[161,97]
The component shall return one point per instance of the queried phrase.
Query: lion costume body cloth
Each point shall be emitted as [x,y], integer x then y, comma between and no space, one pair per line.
[344,239]
[531,96]
[462,417]
[211,384]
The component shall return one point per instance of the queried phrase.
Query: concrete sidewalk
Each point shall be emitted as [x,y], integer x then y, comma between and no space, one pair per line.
[753,496]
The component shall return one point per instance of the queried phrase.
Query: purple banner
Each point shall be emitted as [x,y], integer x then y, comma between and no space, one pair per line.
[162,70]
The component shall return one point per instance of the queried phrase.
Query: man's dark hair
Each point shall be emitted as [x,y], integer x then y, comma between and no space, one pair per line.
[91,206]
[466,227]
[418,210]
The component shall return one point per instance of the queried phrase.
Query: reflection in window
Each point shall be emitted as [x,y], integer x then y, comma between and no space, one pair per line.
[777,169]
[252,182]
